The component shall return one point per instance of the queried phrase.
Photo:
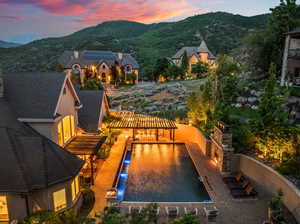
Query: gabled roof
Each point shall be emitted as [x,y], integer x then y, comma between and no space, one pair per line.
[89,57]
[89,114]
[127,59]
[194,51]
[28,160]
[34,95]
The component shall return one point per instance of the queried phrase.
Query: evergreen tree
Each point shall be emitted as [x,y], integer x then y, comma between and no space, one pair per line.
[200,69]
[185,62]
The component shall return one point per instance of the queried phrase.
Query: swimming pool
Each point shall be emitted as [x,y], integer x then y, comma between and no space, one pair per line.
[160,173]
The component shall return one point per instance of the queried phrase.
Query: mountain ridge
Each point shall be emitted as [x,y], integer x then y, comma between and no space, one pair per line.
[146,42]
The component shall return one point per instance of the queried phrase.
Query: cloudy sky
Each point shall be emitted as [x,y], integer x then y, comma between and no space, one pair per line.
[50,18]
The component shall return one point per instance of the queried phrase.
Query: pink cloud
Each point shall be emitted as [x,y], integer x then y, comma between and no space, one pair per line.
[90,12]
[12,18]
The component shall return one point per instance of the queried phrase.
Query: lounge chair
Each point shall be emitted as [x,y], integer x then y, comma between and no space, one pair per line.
[211,214]
[238,185]
[172,211]
[135,209]
[247,193]
[236,178]
[155,211]
[193,211]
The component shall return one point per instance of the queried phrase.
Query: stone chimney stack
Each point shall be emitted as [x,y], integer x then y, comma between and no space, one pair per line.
[120,56]
[76,54]
[1,84]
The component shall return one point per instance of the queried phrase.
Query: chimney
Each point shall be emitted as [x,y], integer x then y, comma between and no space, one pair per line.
[1,84]
[76,54]
[120,56]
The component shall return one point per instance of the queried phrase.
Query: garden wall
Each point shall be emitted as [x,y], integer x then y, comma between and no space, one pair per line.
[272,181]
[191,134]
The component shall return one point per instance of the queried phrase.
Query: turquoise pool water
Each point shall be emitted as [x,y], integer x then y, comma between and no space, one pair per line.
[161,173]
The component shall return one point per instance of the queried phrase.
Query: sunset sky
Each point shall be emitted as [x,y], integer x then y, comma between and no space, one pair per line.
[50,18]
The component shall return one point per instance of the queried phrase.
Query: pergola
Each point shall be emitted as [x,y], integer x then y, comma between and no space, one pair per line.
[86,145]
[130,120]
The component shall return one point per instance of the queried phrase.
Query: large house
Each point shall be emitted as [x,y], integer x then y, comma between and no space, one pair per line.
[36,173]
[291,59]
[195,55]
[108,66]
[48,103]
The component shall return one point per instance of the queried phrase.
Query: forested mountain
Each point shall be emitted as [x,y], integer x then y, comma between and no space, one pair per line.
[147,42]
[4,44]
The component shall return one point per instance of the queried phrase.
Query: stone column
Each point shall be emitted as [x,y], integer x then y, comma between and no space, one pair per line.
[285,60]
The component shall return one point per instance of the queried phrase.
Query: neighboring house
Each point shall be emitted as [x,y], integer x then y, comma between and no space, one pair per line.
[291,59]
[47,102]
[105,65]
[94,110]
[36,173]
[195,55]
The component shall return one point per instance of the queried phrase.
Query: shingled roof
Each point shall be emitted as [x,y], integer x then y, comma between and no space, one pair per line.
[34,94]
[89,57]
[295,31]
[194,51]
[29,161]
[89,114]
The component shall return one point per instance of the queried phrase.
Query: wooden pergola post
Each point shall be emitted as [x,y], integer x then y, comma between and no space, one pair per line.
[133,134]
[92,169]
[157,134]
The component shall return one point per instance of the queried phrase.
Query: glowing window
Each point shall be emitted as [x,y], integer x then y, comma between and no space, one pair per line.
[60,134]
[75,188]
[3,209]
[59,200]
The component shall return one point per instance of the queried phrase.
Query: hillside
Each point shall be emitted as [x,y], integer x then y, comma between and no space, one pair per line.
[4,44]
[222,31]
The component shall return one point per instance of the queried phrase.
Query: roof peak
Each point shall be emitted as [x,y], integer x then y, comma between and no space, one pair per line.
[203,47]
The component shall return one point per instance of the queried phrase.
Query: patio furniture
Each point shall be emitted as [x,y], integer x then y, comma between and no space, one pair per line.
[236,178]
[135,209]
[172,211]
[193,211]
[211,214]
[155,211]
[247,193]
[238,185]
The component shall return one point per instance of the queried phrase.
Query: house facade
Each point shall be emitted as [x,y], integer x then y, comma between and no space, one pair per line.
[195,54]
[36,173]
[291,59]
[47,102]
[107,66]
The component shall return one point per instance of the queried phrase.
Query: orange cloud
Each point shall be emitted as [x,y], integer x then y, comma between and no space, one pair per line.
[135,10]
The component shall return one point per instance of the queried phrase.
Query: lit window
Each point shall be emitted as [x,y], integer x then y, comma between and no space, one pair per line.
[75,188]
[60,134]
[3,209]
[59,200]
[66,129]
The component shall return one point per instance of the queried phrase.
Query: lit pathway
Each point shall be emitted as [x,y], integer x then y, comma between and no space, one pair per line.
[106,175]
[231,211]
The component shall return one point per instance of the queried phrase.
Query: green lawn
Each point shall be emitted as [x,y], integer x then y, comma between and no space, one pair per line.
[192,85]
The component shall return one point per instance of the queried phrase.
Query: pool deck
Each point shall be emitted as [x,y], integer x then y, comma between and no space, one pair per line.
[232,211]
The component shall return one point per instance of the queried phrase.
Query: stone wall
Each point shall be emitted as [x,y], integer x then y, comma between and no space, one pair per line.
[268,179]
[187,133]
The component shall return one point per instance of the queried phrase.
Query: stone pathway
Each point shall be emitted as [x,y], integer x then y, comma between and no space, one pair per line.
[106,175]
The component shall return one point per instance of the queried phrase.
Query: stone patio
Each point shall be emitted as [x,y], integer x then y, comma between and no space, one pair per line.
[233,211]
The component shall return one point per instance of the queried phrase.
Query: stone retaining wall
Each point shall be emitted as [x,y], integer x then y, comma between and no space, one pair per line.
[270,180]
[187,133]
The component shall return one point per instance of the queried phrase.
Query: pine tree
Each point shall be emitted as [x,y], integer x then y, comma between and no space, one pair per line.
[185,62]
